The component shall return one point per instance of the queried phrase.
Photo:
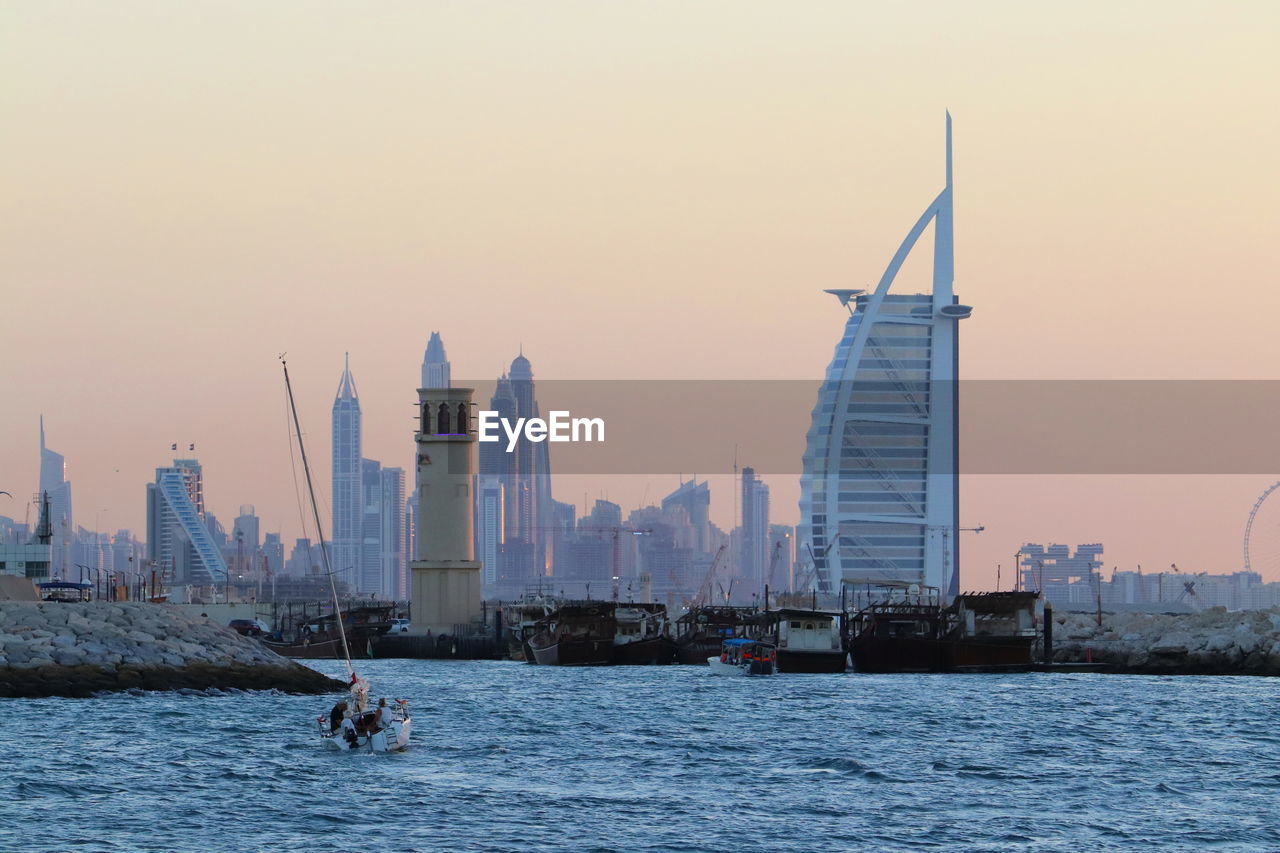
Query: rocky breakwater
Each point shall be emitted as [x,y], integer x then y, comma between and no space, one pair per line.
[1213,642]
[54,649]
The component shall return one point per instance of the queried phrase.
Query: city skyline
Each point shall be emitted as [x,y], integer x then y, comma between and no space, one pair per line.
[665,205]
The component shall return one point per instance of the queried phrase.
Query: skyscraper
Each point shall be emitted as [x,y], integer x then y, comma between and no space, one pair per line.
[54,483]
[879,492]
[532,500]
[179,546]
[435,364]
[496,517]
[695,499]
[348,508]
[488,526]
[395,569]
[273,553]
[755,530]
[370,577]
[495,461]
[246,528]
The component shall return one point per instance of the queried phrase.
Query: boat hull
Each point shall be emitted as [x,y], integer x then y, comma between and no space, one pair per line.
[992,652]
[655,651]
[319,650]
[812,662]
[898,654]
[730,670]
[573,651]
[696,652]
[922,654]
[394,738]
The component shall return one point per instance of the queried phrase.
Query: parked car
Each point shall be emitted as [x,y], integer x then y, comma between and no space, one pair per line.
[248,627]
[399,626]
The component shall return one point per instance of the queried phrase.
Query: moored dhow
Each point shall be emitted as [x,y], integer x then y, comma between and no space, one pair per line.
[576,634]
[602,633]
[807,640]
[520,620]
[642,635]
[989,631]
[701,630]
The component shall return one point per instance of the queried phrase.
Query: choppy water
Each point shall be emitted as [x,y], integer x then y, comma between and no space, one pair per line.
[512,757]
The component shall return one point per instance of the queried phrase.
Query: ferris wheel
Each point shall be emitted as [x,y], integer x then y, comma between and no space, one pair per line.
[1266,550]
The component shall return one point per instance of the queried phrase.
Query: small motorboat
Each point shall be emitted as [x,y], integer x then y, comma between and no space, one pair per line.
[744,656]
[352,726]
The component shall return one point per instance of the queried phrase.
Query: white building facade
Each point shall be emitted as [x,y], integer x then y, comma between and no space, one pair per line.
[879,493]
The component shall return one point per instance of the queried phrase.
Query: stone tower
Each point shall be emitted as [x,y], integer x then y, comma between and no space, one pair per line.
[446,579]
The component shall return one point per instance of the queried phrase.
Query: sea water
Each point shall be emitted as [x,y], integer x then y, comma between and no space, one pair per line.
[507,756]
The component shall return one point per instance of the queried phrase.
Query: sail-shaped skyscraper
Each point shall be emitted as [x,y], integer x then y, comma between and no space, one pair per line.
[879,498]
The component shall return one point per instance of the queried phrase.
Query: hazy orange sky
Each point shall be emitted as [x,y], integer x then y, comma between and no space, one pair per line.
[643,190]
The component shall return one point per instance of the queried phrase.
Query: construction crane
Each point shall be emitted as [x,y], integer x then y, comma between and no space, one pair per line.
[709,579]
[1190,595]
[773,561]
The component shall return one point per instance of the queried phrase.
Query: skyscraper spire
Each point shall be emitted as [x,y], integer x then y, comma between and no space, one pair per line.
[435,364]
[347,384]
[943,249]
[948,148]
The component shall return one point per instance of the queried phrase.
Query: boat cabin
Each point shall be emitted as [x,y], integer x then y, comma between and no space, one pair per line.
[639,621]
[807,630]
[996,614]
[755,654]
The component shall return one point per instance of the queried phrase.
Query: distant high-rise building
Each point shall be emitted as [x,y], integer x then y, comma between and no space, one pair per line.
[246,528]
[54,483]
[395,569]
[533,510]
[348,508]
[216,531]
[498,476]
[488,527]
[755,530]
[604,515]
[879,493]
[179,546]
[1052,571]
[563,523]
[435,364]
[273,553]
[695,499]
[370,578]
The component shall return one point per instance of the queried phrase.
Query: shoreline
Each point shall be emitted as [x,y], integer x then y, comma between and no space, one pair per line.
[75,650]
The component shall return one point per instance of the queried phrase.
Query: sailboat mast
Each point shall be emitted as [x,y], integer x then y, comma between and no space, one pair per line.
[315,509]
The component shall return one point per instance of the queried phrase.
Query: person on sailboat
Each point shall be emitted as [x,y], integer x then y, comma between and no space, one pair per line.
[335,716]
[349,731]
[383,718]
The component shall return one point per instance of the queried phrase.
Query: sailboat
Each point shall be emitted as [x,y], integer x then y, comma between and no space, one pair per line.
[351,725]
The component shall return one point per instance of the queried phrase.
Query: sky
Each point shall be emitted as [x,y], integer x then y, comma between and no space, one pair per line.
[637,191]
